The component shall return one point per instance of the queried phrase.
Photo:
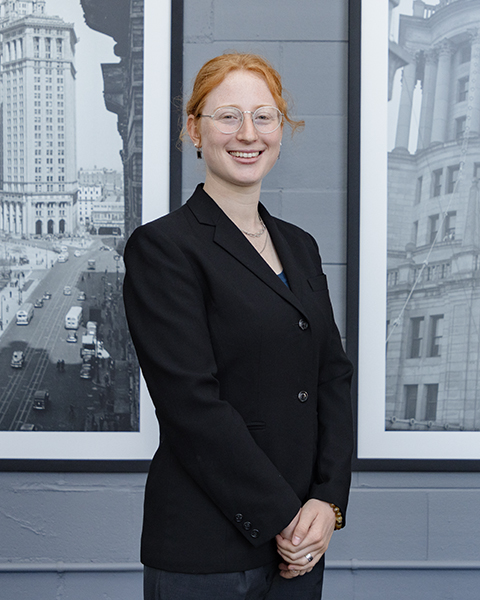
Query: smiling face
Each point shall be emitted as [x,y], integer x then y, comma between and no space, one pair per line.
[240,159]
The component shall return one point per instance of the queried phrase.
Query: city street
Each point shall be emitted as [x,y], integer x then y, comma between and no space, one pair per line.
[104,401]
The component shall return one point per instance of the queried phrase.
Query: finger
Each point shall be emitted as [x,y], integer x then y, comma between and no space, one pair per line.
[291,573]
[304,564]
[292,554]
[286,573]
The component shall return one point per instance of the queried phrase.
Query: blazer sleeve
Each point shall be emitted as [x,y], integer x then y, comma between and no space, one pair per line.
[167,319]
[335,422]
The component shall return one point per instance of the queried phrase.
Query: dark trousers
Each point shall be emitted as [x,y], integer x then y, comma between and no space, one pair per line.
[263,583]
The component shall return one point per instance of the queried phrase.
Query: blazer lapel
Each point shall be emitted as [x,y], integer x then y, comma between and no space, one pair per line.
[230,238]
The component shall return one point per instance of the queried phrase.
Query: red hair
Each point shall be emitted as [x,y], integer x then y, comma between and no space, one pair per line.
[215,70]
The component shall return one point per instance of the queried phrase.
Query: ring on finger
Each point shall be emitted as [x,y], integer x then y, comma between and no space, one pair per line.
[309,557]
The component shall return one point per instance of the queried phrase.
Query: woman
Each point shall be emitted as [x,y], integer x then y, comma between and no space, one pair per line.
[229,311]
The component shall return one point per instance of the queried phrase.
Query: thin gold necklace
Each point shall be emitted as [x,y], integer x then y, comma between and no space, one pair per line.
[256,235]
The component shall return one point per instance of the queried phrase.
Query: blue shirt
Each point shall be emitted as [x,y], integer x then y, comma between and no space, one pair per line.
[283,278]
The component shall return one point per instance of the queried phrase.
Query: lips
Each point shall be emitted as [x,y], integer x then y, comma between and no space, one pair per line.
[245,154]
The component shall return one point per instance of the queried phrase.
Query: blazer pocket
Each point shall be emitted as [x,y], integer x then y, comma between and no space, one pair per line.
[256,425]
[318,283]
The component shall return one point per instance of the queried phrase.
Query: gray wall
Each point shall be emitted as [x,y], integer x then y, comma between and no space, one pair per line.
[409,535]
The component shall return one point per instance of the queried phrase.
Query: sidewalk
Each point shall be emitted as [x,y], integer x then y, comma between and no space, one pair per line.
[12,297]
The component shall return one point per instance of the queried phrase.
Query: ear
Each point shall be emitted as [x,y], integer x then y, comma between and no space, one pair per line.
[193,131]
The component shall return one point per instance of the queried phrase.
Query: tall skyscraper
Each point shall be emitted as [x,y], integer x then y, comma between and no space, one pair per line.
[38,182]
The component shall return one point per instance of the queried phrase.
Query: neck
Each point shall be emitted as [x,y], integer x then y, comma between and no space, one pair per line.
[239,204]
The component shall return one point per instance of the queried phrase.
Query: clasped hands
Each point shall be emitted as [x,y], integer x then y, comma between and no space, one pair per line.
[304,541]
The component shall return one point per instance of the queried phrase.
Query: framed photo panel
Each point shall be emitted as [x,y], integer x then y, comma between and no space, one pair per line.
[88,153]
[414,232]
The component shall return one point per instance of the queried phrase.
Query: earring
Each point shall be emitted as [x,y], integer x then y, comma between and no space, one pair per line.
[280,151]
[199,152]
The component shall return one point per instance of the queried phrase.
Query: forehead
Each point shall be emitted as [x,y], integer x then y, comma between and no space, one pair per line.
[241,88]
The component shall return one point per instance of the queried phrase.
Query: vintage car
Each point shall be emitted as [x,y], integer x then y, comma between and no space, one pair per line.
[86,371]
[72,337]
[41,399]
[17,359]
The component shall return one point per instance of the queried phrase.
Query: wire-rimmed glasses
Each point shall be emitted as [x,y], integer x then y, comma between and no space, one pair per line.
[229,119]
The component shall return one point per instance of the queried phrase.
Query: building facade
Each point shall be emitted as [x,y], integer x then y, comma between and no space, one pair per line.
[38,185]
[123,89]
[100,205]
[433,286]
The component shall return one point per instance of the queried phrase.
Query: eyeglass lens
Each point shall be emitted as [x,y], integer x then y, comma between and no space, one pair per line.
[266,119]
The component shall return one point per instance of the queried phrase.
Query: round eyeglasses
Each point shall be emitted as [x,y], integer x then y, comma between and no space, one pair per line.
[229,119]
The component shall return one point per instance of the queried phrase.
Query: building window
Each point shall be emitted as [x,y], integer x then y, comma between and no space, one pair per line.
[416,336]
[462,89]
[437,182]
[460,126]
[418,190]
[453,173]
[431,392]
[433,228]
[449,226]
[436,333]
[415,233]
[411,392]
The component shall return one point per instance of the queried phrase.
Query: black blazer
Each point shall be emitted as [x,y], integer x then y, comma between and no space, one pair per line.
[250,383]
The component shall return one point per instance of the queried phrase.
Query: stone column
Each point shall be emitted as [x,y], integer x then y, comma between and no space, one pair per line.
[473,123]
[428,98]
[9,216]
[15,216]
[22,218]
[409,80]
[442,92]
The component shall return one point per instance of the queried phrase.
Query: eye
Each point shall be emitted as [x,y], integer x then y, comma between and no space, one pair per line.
[227,115]
[265,116]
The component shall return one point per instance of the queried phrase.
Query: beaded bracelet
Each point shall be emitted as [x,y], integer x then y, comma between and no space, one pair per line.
[338,516]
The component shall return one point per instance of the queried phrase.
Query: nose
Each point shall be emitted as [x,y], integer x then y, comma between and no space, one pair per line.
[247,131]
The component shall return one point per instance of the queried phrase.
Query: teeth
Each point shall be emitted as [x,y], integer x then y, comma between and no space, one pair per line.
[245,154]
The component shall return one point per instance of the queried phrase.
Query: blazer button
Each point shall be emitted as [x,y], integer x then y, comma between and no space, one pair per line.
[247,525]
[303,324]
[302,396]
[254,533]
[239,517]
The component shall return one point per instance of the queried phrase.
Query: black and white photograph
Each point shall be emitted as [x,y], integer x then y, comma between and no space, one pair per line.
[71,193]
[420,200]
